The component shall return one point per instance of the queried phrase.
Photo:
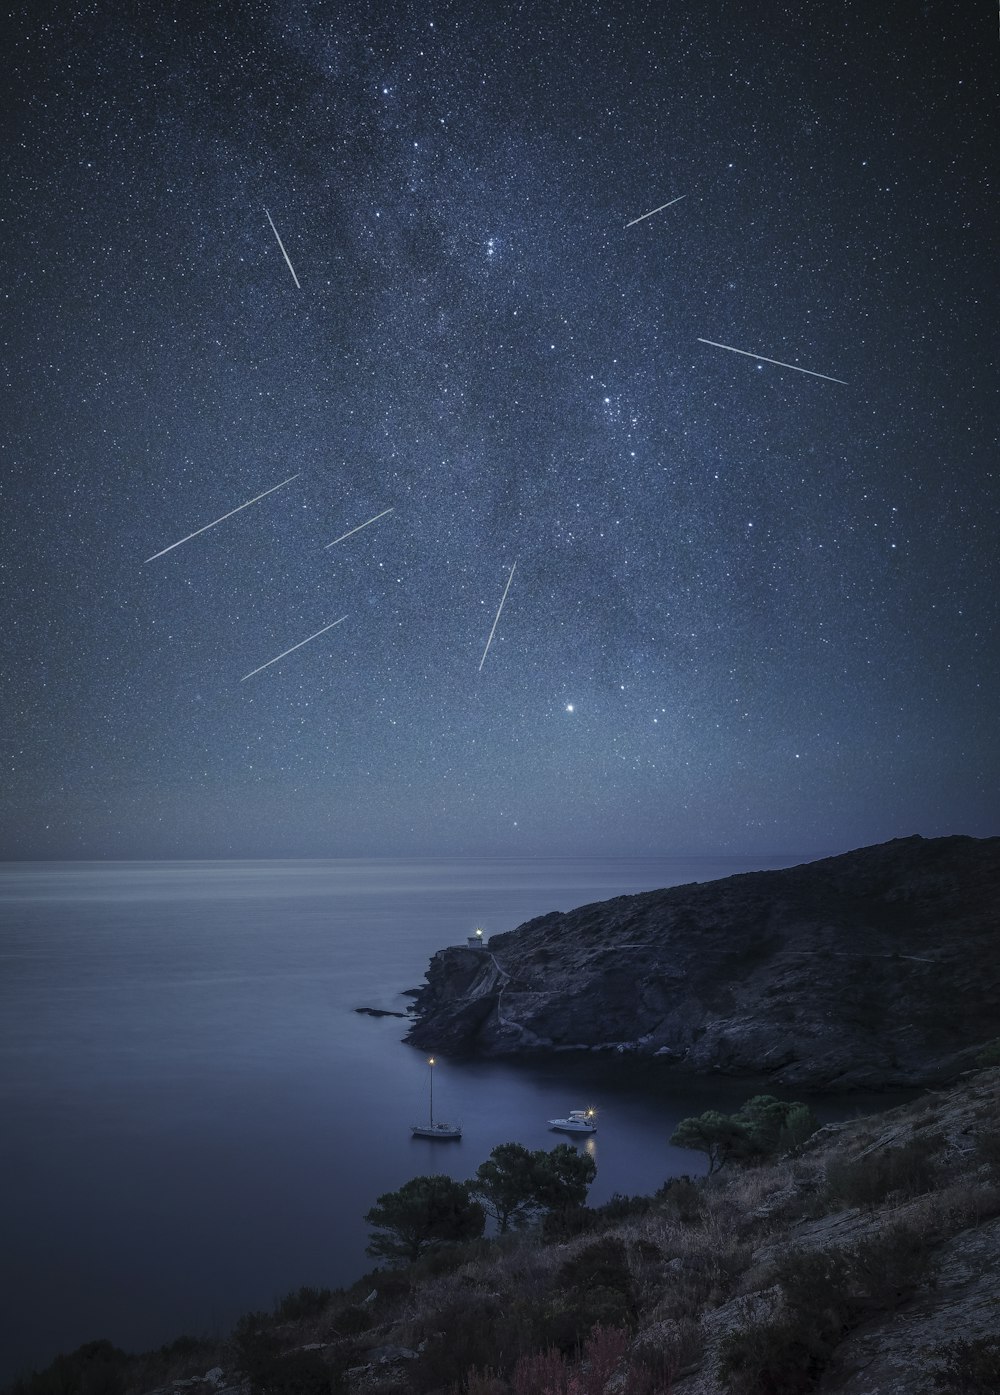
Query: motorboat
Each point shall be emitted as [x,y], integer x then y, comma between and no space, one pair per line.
[576,1121]
[432,1129]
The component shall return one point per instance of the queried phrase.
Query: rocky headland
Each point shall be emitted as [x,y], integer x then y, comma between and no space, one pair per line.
[877,969]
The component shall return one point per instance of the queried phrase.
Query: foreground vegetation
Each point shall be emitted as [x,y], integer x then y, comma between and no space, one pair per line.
[769,1275]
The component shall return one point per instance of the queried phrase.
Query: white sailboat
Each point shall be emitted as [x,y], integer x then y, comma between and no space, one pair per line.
[431,1129]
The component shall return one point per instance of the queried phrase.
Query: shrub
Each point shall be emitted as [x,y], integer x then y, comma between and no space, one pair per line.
[549,1373]
[655,1363]
[888,1267]
[390,1285]
[780,1357]
[444,1259]
[257,1354]
[485,1383]
[596,1289]
[351,1321]
[683,1198]
[299,1373]
[252,1344]
[971,1368]
[96,1368]
[604,1262]
[690,1287]
[567,1223]
[814,1286]
[183,1347]
[525,1325]
[990,1054]
[824,1294]
[463,1339]
[907,1170]
[602,1354]
[302,1303]
[623,1208]
[988,1151]
[574,1315]
[541,1371]
[799,1126]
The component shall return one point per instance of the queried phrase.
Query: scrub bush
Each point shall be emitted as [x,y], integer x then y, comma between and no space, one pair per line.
[908,1170]
[971,1368]
[302,1303]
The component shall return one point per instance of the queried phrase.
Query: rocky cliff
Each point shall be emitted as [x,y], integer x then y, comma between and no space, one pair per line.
[878,968]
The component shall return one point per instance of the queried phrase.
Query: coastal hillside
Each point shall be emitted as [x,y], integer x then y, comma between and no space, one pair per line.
[878,968]
[864,1262]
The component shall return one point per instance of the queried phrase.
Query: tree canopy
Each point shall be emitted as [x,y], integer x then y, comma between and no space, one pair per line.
[505,1185]
[563,1177]
[514,1183]
[760,1128]
[424,1213]
[716,1135]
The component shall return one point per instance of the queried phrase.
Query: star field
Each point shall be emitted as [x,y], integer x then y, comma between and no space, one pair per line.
[752,610]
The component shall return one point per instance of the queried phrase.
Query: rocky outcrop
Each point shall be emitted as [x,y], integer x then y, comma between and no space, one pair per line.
[879,968]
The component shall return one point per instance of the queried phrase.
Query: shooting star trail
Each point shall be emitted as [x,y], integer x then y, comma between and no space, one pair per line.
[358,529]
[776,361]
[293,648]
[656,210]
[497,620]
[282,246]
[222,519]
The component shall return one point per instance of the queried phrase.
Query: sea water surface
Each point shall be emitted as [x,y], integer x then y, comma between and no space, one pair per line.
[195,1119]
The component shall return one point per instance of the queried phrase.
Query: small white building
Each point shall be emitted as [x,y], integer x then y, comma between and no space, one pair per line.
[477,939]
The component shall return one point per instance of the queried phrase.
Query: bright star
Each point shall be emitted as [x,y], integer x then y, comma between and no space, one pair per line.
[569,707]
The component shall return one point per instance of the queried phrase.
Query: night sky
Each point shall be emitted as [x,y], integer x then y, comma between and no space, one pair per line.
[753,610]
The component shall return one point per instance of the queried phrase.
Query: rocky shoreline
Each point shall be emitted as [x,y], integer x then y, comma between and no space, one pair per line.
[876,969]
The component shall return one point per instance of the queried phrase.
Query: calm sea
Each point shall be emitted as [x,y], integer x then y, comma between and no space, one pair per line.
[195,1120]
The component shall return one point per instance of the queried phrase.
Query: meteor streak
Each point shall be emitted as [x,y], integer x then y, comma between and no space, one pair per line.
[359,528]
[497,620]
[222,519]
[282,246]
[776,361]
[656,210]
[293,648]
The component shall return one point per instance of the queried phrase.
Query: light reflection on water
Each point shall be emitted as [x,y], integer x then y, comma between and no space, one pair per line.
[196,1120]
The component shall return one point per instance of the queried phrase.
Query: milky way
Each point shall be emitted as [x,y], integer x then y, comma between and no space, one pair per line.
[753,610]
